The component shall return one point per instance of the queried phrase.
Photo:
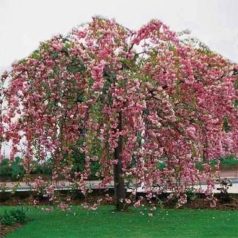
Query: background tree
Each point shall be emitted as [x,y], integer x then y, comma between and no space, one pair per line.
[126,101]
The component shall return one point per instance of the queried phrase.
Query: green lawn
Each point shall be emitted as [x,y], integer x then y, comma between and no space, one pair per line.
[106,223]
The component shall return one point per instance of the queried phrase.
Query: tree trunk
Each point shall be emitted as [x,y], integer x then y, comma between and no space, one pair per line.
[119,184]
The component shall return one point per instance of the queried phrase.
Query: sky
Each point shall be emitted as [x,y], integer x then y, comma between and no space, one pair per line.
[25,23]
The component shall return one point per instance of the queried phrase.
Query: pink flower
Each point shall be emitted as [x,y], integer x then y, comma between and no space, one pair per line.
[191,131]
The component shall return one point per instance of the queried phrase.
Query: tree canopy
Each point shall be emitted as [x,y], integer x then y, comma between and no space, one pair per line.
[116,97]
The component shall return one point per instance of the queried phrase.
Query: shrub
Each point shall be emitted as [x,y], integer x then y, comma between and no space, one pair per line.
[43,168]
[7,219]
[13,216]
[19,215]
[191,194]
[225,184]
[5,169]
[17,169]
[14,170]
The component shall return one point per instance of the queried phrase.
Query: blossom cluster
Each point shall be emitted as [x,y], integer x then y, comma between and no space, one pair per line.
[175,104]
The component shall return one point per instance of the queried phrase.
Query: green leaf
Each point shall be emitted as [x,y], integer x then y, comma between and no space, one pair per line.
[54,55]
[226,125]
[236,103]
[36,55]
[236,84]
[76,66]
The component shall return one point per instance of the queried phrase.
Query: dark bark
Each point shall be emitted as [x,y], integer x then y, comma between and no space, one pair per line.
[119,184]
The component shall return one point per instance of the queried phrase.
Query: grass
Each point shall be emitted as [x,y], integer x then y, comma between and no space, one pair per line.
[105,223]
